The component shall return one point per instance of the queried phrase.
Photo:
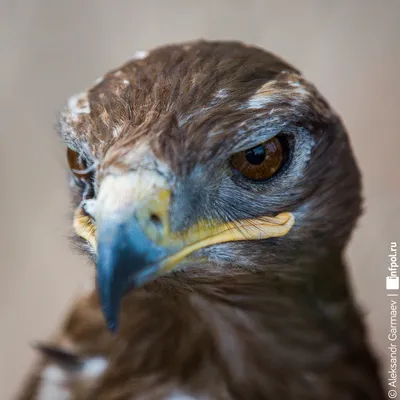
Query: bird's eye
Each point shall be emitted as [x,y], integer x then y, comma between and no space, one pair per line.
[78,166]
[260,162]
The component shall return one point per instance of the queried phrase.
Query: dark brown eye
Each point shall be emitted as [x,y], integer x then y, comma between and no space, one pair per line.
[260,162]
[77,166]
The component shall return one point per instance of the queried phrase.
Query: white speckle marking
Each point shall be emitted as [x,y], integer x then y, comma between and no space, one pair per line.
[126,82]
[94,367]
[55,374]
[255,103]
[117,130]
[53,382]
[265,95]
[301,91]
[221,94]
[297,86]
[140,54]
[78,105]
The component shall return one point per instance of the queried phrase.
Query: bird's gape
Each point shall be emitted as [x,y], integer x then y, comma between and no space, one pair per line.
[133,240]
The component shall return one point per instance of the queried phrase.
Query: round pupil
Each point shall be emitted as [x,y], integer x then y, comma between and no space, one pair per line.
[256,155]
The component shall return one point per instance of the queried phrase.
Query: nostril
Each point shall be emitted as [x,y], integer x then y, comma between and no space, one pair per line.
[155,220]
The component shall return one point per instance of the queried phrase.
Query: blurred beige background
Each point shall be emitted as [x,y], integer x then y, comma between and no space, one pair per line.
[51,49]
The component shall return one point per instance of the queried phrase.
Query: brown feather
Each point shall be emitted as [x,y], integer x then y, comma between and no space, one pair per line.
[262,320]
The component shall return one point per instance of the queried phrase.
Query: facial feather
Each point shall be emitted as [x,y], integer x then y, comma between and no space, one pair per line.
[268,319]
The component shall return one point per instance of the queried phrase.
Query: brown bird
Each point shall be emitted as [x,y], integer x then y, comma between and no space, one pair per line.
[215,190]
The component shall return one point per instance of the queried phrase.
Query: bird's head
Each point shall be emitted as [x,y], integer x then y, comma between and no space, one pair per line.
[206,154]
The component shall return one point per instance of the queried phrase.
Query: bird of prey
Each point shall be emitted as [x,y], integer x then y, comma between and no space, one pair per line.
[215,190]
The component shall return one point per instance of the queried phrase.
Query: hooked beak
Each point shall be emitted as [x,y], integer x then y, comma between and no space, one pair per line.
[133,239]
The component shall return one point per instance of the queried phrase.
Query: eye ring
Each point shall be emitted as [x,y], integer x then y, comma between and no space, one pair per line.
[262,162]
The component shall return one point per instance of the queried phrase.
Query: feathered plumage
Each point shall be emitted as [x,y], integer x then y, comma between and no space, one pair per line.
[221,279]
